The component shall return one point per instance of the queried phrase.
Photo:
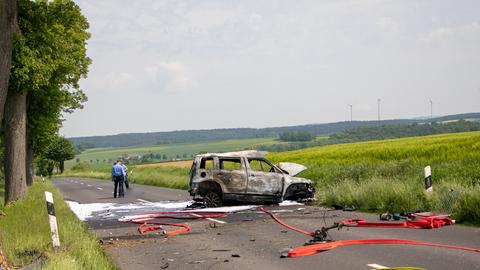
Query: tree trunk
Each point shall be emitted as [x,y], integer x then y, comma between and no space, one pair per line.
[8,26]
[61,166]
[29,164]
[15,146]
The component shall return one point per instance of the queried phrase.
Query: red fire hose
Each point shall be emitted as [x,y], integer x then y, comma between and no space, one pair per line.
[426,222]
[146,225]
[321,247]
[285,224]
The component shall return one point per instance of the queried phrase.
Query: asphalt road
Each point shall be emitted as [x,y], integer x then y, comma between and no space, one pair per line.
[252,240]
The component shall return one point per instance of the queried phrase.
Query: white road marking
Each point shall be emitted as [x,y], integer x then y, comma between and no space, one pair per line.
[142,200]
[99,188]
[376,266]
[211,219]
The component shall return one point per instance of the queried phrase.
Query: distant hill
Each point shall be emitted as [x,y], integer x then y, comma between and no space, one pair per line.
[189,136]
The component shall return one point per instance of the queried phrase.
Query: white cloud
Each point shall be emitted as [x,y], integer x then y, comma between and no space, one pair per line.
[118,79]
[170,76]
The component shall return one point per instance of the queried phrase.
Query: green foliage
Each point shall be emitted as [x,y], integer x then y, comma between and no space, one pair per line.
[60,150]
[45,166]
[296,136]
[25,234]
[49,58]
[467,208]
[80,166]
[80,147]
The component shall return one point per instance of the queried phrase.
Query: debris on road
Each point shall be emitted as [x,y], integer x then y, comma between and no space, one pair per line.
[164,264]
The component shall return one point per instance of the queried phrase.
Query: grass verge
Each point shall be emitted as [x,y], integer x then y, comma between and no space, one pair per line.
[25,234]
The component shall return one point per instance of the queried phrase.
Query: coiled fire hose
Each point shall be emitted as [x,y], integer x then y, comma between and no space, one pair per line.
[147,225]
[326,246]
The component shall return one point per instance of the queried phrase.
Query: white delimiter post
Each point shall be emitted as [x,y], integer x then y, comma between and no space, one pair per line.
[428,179]
[53,220]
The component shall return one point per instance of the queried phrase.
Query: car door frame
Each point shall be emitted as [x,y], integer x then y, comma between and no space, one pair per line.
[268,192]
[227,178]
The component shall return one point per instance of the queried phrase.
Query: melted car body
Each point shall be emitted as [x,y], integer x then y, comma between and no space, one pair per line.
[246,176]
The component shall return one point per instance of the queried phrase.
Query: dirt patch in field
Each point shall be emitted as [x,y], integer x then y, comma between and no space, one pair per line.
[177,164]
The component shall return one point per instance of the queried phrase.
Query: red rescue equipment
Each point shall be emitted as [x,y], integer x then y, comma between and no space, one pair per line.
[425,222]
[322,247]
[146,225]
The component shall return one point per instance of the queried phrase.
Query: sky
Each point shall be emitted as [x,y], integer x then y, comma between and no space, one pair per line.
[174,65]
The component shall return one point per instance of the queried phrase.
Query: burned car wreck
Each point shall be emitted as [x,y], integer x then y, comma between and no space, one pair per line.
[246,176]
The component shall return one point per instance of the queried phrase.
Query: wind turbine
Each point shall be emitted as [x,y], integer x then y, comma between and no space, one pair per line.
[431,109]
[351,112]
[378,103]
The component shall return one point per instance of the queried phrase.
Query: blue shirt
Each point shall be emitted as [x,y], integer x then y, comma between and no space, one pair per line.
[117,170]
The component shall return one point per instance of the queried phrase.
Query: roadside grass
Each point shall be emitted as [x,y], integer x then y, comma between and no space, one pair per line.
[170,177]
[388,175]
[25,234]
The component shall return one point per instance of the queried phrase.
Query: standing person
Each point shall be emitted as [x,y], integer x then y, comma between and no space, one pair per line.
[125,175]
[117,178]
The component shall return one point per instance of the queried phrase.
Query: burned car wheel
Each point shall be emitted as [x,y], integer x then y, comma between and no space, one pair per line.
[212,199]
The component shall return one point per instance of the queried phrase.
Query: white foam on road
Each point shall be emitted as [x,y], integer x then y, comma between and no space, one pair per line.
[86,211]
[376,266]
[289,203]
[102,211]
[227,209]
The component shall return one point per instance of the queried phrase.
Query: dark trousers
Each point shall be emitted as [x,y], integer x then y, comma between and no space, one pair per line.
[126,182]
[118,185]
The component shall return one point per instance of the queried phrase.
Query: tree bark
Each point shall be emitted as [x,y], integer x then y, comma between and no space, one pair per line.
[8,26]
[29,164]
[61,166]
[15,146]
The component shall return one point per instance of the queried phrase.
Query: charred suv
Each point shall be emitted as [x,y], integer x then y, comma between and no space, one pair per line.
[246,176]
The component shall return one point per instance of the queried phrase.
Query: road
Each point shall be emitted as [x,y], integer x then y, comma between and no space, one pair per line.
[250,239]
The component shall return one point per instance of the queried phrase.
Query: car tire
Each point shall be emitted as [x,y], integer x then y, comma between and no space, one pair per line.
[213,199]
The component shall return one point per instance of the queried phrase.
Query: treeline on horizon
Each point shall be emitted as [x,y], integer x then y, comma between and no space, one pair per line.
[191,136]
[384,132]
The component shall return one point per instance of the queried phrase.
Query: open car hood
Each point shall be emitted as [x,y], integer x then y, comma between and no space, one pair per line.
[292,168]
